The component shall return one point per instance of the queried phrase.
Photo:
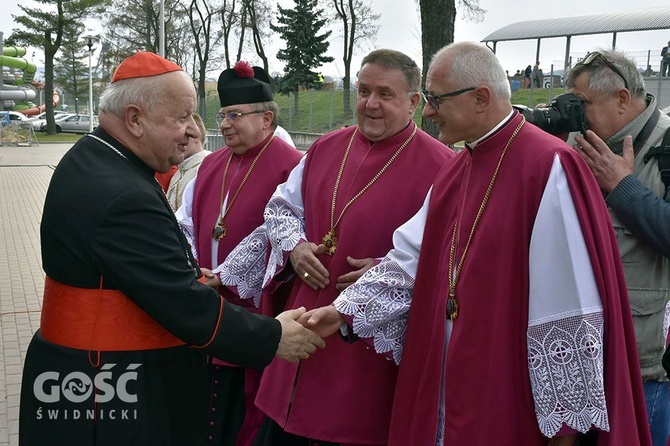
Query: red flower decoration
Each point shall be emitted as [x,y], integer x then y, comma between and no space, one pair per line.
[243,69]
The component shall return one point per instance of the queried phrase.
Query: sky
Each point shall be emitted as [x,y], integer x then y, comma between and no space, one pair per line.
[400,30]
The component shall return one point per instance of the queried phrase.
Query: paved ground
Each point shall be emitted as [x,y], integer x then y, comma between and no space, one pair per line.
[24,177]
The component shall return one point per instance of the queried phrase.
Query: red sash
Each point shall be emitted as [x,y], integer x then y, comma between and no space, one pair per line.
[98,320]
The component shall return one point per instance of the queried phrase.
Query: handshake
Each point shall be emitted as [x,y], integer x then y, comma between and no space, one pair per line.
[302,331]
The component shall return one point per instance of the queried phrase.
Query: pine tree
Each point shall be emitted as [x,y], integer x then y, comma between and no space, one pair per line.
[44,28]
[305,47]
[70,72]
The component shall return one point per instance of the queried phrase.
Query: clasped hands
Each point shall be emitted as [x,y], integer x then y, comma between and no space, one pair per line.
[303,331]
[310,270]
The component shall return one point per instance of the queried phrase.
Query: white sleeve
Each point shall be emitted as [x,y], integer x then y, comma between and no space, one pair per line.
[380,299]
[408,237]
[246,269]
[565,317]
[285,221]
[184,216]
[291,190]
[284,135]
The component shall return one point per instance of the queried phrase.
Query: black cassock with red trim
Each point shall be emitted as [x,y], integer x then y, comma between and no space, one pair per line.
[107,226]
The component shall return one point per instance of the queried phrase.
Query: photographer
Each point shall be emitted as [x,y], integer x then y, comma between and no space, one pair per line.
[624,125]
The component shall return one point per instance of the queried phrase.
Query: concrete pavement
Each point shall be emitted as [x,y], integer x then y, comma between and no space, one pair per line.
[25,173]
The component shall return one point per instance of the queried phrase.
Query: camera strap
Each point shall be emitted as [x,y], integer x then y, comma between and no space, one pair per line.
[662,152]
[664,160]
[645,133]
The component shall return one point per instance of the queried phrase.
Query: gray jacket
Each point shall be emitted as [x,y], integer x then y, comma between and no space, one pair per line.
[641,218]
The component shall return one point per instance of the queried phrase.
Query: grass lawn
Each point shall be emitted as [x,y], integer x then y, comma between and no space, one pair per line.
[58,138]
[540,95]
[322,110]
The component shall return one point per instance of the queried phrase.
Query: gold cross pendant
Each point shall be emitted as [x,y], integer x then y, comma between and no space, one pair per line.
[452,306]
[330,240]
[219,231]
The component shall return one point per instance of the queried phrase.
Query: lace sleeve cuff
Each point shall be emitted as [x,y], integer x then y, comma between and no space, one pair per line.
[244,268]
[565,317]
[379,305]
[190,238]
[565,360]
[285,224]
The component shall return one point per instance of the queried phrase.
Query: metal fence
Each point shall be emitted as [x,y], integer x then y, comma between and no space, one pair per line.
[214,140]
[321,111]
[302,140]
[316,111]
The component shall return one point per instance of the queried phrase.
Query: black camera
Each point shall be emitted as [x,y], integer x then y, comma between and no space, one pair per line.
[565,114]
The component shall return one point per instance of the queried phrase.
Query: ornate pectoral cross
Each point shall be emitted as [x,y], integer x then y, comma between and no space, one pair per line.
[452,305]
[330,240]
[219,231]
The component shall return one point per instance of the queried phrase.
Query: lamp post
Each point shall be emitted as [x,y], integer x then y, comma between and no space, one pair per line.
[2,82]
[161,40]
[89,44]
[107,48]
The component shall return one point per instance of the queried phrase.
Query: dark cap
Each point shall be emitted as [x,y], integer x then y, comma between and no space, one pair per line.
[244,84]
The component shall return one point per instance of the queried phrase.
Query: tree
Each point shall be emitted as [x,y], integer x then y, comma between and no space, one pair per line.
[134,25]
[111,55]
[242,30]
[437,30]
[230,17]
[257,17]
[44,28]
[70,73]
[200,15]
[305,47]
[254,16]
[358,24]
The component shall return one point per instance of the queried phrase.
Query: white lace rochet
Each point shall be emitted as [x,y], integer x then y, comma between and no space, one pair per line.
[379,303]
[285,225]
[565,361]
[565,317]
[246,267]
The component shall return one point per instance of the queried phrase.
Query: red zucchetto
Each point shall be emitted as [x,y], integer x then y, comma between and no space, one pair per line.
[144,64]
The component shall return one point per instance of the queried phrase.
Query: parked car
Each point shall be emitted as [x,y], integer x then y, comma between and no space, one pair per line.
[12,116]
[74,124]
[43,115]
[41,124]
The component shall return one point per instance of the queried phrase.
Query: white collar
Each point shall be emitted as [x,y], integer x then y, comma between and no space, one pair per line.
[473,144]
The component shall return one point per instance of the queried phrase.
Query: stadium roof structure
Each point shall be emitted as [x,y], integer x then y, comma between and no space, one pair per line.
[616,22]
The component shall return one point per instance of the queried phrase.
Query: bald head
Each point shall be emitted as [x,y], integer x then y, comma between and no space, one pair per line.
[470,92]
[472,63]
[152,117]
[148,92]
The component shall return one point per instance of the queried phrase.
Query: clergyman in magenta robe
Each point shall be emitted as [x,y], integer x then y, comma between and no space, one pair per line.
[383,167]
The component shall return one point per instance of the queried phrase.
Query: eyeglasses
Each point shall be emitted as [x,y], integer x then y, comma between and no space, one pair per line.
[232,116]
[590,57]
[434,101]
